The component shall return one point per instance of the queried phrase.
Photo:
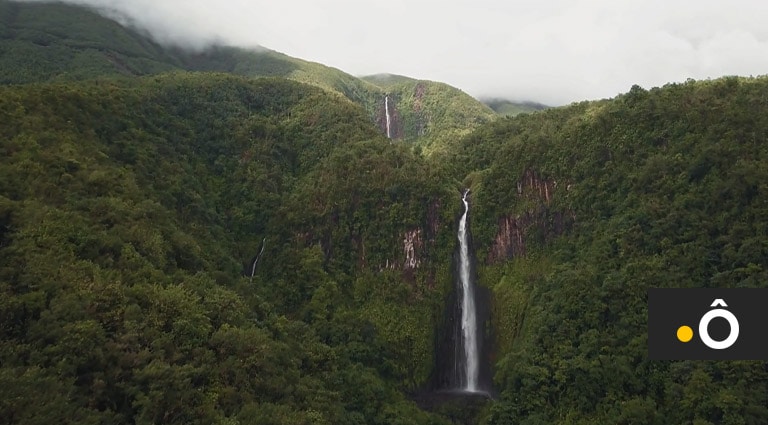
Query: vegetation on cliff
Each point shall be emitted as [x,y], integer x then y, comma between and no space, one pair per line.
[429,113]
[656,188]
[51,42]
[128,212]
[136,198]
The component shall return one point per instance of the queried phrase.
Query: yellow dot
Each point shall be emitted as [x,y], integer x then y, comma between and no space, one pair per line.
[684,333]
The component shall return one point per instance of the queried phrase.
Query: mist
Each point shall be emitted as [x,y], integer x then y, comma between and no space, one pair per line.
[554,52]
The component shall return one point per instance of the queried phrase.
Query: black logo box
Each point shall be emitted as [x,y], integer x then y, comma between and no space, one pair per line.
[670,308]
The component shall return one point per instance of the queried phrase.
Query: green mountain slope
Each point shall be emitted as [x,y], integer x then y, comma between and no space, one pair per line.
[129,211]
[509,108]
[182,246]
[387,81]
[54,42]
[264,62]
[432,113]
[579,210]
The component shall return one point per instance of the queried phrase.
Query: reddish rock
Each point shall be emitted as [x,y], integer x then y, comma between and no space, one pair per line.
[510,238]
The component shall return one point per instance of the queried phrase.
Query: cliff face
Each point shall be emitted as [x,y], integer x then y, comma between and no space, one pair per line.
[539,218]
[416,244]
[420,124]
[412,247]
[508,242]
[408,115]
[532,185]
[411,254]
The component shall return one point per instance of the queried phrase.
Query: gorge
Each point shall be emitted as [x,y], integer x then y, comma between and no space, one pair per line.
[136,284]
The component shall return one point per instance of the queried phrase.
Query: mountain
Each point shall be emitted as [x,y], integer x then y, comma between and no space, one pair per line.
[206,248]
[198,248]
[387,81]
[55,42]
[184,246]
[580,210]
[432,113]
[509,108]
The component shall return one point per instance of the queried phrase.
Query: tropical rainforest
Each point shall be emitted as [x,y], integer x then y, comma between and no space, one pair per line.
[228,236]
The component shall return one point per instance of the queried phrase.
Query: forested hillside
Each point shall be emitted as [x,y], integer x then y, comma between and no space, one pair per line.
[429,113]
[580,210]
[56,42]
[128,213]
[201,237]
[509,108]
[53,42]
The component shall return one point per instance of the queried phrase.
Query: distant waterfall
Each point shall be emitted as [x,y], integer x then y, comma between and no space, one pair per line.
[386,110]
[256,259]
[468,311]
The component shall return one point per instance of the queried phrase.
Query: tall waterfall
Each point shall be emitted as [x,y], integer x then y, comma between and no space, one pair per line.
[465,336]
[468,310]
[386,110]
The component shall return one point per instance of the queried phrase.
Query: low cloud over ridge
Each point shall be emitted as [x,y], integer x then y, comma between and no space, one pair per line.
[554,52]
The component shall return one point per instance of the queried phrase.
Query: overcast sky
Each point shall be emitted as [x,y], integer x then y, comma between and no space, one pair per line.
[551,51]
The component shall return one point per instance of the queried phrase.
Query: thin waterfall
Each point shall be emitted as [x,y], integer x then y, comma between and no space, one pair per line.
[468,310]
[256,259]
[386,110]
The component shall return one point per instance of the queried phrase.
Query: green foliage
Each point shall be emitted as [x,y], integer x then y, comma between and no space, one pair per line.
[429,113]
[57,42]
[510,108]
[127,212]
[44,42]
[666,189]
[388,81]
[129,208]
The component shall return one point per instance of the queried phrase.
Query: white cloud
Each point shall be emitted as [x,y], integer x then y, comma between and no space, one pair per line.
[553,51]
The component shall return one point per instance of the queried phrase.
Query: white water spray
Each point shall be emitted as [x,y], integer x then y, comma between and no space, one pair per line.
[468,311]
[386,110]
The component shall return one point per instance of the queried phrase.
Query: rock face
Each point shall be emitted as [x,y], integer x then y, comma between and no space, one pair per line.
[421,123]
[532,184]
[510,239]
[412,246]
[408,116]
[415,244]
[509,242]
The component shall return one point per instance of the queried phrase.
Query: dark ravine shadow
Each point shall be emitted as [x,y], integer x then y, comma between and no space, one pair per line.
[459,407]
[448,374]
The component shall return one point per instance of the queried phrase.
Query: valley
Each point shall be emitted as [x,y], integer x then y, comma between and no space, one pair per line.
[236,236]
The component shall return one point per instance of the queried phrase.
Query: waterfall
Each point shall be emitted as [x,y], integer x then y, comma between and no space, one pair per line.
[468,311]
[464,338]
[256,259]
[386,110]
